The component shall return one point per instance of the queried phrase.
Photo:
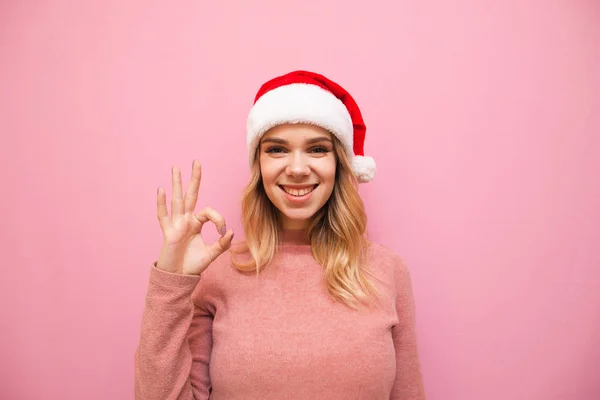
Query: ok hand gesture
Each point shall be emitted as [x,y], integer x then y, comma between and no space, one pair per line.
[184,251]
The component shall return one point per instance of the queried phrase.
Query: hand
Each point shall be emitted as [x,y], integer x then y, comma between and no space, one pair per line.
[184,251]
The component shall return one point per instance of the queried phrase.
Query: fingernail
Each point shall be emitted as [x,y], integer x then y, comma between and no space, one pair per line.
[224,229]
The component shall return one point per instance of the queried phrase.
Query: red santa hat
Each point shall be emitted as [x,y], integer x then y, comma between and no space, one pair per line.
[307,97]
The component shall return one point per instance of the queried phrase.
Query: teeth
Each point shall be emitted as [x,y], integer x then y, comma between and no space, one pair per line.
[298,192]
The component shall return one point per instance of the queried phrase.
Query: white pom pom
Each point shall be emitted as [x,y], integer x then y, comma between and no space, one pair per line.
[364,168]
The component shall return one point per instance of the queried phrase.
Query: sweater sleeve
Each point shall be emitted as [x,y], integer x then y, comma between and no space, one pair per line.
[171,359]
[409,382]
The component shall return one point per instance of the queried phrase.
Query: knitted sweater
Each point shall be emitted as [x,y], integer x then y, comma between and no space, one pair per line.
[233,335]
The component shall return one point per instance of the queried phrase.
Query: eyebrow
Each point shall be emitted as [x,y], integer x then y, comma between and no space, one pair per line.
[309,141]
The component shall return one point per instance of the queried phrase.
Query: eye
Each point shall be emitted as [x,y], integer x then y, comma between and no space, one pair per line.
[274,149]
[319,149]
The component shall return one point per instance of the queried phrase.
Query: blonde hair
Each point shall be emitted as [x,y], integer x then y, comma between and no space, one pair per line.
[337,234]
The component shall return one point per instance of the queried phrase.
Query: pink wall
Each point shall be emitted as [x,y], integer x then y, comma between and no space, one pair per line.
[484,118]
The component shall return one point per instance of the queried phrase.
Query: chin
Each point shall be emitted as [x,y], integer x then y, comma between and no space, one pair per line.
[298,215]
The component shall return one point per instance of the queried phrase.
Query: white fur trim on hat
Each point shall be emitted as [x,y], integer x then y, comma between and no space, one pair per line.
[299,103]
[364,168]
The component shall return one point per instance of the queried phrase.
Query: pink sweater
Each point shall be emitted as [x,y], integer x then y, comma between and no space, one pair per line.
[230,335]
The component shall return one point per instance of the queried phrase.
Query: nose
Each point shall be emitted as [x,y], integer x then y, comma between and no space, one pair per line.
[298,165]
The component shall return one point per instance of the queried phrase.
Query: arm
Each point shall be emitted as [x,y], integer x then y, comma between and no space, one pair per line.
[171,361]
[409,382]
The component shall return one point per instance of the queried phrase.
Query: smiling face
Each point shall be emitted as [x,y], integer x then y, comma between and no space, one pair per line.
[298,169]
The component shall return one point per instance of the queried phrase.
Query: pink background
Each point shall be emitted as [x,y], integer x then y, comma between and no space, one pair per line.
[483,117]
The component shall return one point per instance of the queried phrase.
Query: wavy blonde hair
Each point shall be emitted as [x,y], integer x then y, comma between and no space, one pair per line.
[337,233]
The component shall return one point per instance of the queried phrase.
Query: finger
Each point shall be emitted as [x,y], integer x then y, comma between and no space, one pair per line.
[221,245]
[177,199]
[161,207]
[191,194]
[209,214]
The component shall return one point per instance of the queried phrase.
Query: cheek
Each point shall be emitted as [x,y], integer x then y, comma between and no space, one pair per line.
[268,173]
[328,172]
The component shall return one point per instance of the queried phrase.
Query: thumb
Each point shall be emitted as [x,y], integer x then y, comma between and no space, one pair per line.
[222,245]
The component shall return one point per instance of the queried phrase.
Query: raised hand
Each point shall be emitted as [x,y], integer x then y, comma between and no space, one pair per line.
[184,251]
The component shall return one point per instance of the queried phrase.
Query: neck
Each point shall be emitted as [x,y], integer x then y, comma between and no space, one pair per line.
[294,236]
[293,224]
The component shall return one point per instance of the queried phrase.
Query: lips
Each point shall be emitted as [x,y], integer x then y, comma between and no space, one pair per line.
[298,191]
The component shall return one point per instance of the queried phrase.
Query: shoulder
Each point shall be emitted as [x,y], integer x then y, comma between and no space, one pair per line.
[215,278]
[387,261]
[381,254]
[222,270]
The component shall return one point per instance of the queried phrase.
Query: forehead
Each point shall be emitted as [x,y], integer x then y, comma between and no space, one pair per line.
[296,133]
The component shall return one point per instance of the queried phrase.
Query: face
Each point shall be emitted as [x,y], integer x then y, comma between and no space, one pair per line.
[297,164]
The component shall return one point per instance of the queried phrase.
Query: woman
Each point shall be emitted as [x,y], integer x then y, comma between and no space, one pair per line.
[306,307]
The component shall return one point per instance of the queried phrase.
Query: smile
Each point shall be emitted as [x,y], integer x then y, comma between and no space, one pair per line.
[298,191]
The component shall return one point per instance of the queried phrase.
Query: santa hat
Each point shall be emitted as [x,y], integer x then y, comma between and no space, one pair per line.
[307,97]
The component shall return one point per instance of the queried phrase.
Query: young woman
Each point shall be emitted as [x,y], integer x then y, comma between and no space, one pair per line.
[306,307]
